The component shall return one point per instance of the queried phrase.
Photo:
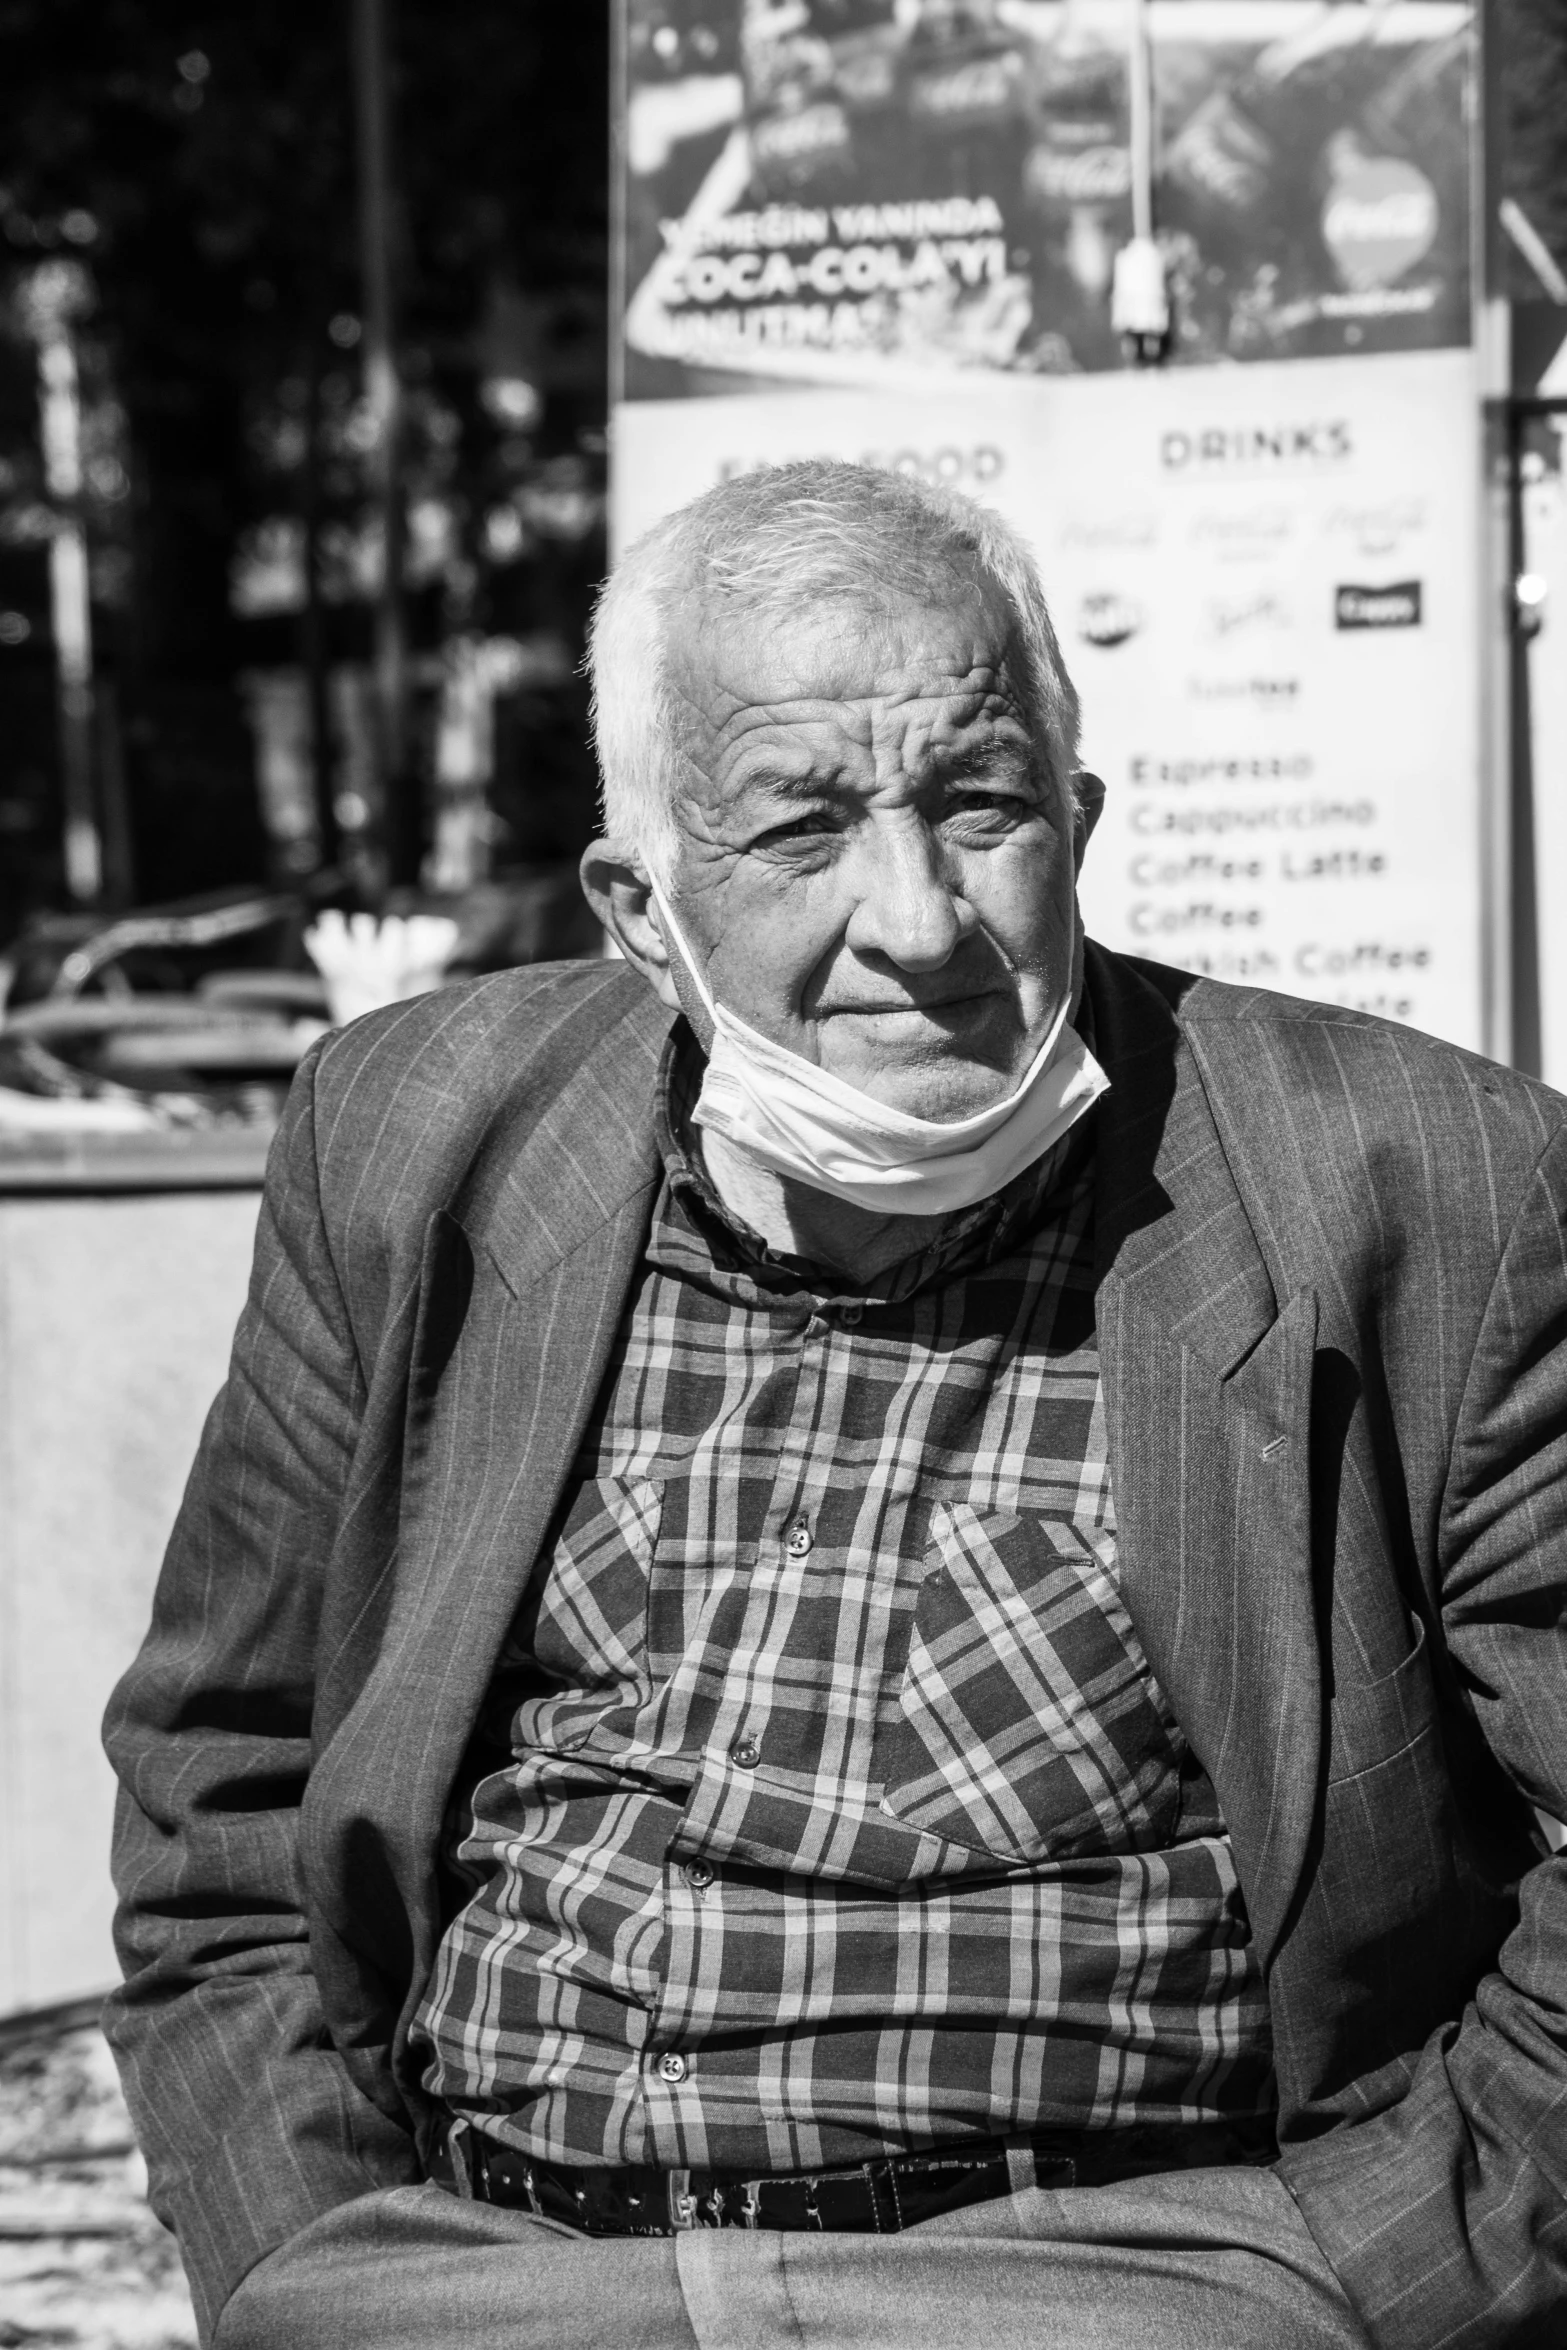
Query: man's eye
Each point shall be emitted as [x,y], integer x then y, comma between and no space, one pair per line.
[812,825]
[988,807]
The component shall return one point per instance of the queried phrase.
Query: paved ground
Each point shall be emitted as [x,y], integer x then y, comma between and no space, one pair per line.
[83,2263]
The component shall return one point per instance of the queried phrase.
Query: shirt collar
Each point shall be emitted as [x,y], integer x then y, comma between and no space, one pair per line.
[973,1237]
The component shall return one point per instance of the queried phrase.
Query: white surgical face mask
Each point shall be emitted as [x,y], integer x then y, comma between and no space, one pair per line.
[809,1125]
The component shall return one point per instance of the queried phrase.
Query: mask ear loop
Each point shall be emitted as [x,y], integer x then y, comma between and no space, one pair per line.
[675,937]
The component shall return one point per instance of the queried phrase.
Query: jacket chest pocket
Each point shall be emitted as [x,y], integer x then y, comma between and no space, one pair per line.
[1029,1725]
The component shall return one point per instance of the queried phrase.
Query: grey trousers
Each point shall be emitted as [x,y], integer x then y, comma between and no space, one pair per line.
[1191,2260]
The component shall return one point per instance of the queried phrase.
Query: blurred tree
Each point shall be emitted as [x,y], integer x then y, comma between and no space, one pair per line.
[197,156]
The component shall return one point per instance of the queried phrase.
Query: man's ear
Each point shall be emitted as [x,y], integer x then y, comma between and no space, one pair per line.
[616,886]
[1088,799]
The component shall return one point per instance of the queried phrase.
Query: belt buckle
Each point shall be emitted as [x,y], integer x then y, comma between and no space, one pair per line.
[689,2210]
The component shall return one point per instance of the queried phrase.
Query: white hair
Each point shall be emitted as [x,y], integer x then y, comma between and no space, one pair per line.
[784,539]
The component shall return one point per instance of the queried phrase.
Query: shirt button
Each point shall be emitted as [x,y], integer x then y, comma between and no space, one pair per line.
[851,1314]
[797,1541]
[671,2067]
[698,1873]
[746,1753]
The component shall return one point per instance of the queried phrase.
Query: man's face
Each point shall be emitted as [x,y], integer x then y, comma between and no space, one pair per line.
[875,868]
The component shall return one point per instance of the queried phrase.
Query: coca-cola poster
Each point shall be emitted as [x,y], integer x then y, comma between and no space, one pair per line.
[898,192]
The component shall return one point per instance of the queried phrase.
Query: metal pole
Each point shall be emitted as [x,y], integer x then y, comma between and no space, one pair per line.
[1493,384]
[1524,941]
[384,399]
[1141,123]
[1139,298]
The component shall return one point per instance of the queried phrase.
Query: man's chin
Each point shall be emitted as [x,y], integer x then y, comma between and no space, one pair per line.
[924,1064]
[943,1092]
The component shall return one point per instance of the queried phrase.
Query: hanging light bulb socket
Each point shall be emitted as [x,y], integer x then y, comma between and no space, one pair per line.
[1140,301]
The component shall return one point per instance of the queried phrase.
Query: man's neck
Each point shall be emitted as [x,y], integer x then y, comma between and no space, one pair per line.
[797,1221]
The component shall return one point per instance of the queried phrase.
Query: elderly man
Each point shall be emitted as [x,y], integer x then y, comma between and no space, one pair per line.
[862,1649]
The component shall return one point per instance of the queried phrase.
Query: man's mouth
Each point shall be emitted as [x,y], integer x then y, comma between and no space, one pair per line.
[924,1008]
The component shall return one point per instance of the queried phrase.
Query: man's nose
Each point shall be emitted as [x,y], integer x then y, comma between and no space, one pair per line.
[906,907]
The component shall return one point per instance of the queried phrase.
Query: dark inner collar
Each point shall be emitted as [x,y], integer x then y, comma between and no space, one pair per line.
[971,1237]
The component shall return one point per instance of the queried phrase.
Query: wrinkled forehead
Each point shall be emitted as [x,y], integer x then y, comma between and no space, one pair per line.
[732,652]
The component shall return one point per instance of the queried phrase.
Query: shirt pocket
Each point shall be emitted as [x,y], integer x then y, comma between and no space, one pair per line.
[1028,1725]
[579,1642]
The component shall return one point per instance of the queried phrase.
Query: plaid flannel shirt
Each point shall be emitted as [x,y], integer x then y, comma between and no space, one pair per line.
[835,1806]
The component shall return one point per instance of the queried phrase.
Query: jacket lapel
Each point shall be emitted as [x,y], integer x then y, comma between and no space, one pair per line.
[1208,1390]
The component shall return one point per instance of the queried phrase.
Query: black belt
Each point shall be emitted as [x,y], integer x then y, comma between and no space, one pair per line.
[879,2197]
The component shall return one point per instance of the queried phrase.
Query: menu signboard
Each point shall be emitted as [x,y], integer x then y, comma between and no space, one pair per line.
[884,232]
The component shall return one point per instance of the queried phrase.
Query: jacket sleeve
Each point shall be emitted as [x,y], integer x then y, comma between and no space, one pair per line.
[249,2121]
[1446,2216]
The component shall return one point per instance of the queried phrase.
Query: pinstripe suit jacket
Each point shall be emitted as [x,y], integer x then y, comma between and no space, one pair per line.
[1333,1327]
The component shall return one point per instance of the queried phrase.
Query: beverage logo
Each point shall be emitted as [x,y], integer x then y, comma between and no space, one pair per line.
[1106,618]
[1394,606]
[1259,693]
[1094,175]
[1229,616]
[1223,155]
[800,138]
[1257,448]
[865,77]
[1236,533]
[1379,220]
[1098,531]
[975,91]
[1379,526]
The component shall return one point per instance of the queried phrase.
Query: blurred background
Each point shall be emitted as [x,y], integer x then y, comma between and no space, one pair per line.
[337,343]
[302,488]
[267,318]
